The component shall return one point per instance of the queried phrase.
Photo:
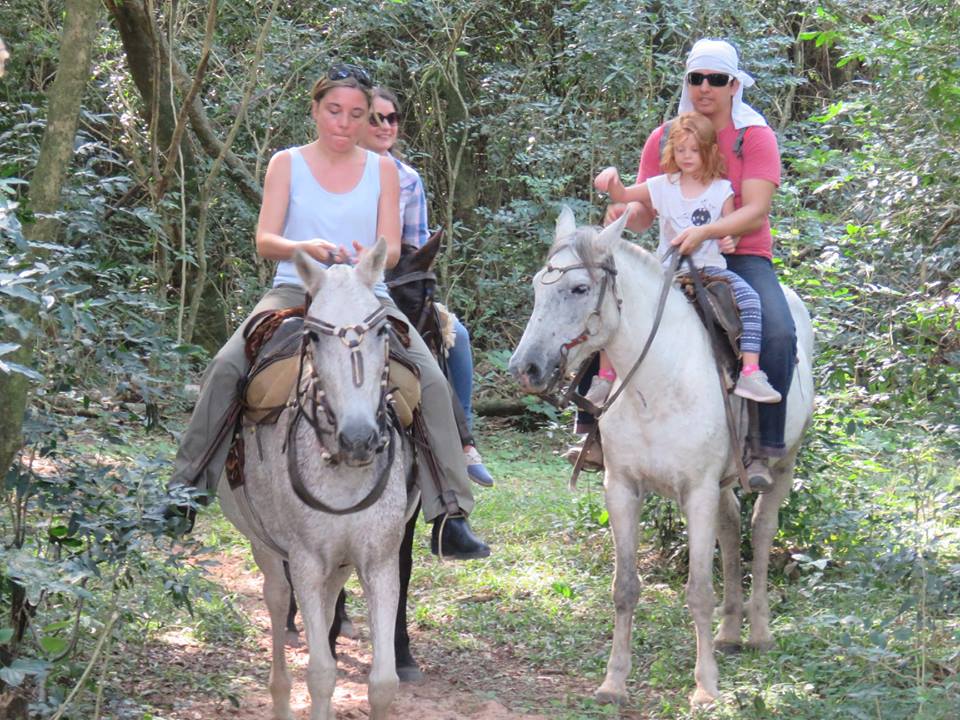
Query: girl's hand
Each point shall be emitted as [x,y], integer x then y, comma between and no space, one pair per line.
[727,244]
[607,178]
[690,239]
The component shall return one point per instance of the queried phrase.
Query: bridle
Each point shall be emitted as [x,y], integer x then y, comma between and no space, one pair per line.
[428,293]
[609,276]
[590,325]
[311,400]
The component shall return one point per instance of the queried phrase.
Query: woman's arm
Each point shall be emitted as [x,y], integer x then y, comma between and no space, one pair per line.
[388,209]
[273,211]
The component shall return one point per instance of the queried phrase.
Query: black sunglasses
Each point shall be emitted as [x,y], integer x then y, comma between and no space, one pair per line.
[715,79]
[379,118]
[343,71]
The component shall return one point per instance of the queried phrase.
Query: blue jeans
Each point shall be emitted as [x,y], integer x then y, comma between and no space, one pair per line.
[779,344]
[460,370]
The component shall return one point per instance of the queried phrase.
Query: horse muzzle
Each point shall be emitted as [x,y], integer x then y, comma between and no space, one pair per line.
[533,374]
[358,443]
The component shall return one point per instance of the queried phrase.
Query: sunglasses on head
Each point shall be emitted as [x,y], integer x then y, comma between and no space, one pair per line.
[343,71]
[714,79]
[379,118]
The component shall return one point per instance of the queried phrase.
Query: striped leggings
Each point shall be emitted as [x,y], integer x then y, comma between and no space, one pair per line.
[749,303]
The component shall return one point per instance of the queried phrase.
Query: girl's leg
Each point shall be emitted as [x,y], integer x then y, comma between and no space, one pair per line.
[752,383]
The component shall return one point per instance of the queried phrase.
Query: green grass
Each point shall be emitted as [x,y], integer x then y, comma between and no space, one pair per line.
[869,628]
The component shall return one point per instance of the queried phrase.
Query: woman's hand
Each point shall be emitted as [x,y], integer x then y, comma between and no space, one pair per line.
[321,250]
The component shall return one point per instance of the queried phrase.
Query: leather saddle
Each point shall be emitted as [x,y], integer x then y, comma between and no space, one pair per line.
[725,328]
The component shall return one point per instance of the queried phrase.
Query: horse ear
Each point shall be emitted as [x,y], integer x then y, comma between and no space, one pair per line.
[611,234]
[370,267]
[566,223]
[309,271]
[424,257]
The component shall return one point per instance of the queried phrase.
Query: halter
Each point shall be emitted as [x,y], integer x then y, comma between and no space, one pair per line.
[412,277]
[589,330]
[309,392]
[571,393]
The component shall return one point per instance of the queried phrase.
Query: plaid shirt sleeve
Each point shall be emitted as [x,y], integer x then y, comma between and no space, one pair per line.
[413,206]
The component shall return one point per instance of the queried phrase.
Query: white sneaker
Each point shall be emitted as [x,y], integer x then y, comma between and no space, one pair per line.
[756,387]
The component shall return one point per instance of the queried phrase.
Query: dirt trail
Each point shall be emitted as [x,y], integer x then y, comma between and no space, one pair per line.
[480,687]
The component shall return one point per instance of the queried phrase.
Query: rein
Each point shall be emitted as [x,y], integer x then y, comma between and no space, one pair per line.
[675,258]
[351,336]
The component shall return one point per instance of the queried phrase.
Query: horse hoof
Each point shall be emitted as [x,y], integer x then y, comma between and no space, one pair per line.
[728,648]
[409,673]
[348,630]
[292,639]
[702,697]
[610,697]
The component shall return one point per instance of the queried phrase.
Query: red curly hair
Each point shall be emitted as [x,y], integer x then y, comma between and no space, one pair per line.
[700,127]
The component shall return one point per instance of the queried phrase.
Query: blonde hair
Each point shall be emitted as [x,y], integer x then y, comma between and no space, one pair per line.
[701,129]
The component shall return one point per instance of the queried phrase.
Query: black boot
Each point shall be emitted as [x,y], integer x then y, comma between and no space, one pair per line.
[458,541]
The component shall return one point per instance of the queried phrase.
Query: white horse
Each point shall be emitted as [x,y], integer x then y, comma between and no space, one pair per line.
[339,414]
[666,433]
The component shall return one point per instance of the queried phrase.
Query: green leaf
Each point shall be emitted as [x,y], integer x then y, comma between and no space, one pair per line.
[8,368]
[6,634]
[53,645]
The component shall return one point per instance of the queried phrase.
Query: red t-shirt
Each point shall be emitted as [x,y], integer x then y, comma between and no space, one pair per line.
[761,160]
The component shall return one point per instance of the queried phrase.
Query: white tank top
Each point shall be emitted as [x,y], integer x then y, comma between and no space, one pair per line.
[314,212]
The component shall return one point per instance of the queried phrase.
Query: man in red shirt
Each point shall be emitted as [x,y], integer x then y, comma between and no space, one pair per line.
[713,86]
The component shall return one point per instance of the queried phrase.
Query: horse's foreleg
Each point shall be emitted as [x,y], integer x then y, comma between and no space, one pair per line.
[727,638]
[316,609]
[276,594]
[700,510]
[764,525]
[407,668]
[381,585]
[623,504]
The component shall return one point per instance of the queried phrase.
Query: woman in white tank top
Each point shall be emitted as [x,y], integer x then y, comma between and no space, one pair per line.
[332,199]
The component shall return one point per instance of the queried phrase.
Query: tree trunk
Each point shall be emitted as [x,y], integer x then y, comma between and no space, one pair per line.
[56,152]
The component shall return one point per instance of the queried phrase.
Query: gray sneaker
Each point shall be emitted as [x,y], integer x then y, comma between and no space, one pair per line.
[599,391]
[756,387]
[758,475]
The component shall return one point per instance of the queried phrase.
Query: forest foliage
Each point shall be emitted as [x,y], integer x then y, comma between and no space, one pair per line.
[509,108]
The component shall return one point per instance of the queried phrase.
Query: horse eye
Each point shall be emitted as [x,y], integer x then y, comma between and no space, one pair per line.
[580,289]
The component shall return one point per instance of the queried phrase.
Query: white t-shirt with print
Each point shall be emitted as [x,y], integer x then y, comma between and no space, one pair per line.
[677,213]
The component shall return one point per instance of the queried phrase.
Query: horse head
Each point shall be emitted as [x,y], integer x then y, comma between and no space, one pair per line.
[345,344]
[413,285]
[575,309]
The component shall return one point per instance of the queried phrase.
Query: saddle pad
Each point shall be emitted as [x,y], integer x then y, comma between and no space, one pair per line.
[271,379]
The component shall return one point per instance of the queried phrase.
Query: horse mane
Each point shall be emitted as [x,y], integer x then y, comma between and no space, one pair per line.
[582,243]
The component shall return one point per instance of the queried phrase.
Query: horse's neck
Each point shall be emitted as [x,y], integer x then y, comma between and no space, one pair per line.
[680,341]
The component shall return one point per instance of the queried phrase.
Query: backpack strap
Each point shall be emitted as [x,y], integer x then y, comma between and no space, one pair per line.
[737,144]
[663,139]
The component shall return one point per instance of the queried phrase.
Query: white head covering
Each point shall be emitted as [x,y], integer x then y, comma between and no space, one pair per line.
[722,56]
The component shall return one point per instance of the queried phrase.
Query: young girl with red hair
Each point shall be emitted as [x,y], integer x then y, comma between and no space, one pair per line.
[694,192]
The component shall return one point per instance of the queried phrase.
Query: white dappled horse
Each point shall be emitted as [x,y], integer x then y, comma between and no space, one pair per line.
[666,433]
[342,396]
